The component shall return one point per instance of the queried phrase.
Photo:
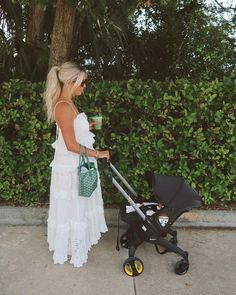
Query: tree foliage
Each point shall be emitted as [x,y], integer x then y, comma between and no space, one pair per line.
[122,39]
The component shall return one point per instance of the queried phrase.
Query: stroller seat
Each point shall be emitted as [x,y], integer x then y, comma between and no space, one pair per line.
[171,192]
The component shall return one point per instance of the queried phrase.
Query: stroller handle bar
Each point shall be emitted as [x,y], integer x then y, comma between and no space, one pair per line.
[108,166]
[123,180]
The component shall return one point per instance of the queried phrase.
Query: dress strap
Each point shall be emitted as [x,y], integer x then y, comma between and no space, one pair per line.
[57,132]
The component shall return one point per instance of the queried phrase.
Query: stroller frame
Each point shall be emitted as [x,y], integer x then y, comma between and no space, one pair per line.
[133,266]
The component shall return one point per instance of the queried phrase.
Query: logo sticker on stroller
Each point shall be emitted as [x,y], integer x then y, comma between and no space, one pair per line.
[163,220]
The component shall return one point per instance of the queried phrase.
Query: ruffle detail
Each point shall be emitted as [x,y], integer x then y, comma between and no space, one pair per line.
[83,135]
[86,140]
[96,228]
[75,238]
[54,144]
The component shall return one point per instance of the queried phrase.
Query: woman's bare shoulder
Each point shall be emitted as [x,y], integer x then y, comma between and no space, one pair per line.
[63,110]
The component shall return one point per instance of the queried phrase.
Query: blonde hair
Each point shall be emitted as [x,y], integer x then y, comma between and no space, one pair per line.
[68,71]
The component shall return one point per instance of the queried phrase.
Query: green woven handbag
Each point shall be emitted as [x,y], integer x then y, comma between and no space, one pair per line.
[87,175]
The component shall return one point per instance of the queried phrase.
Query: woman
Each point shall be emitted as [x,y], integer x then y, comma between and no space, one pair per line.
[74,223]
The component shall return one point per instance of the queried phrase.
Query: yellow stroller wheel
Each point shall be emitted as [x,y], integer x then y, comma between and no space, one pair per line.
[133,266]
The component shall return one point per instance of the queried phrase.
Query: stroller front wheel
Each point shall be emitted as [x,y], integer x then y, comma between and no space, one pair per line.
[133,266]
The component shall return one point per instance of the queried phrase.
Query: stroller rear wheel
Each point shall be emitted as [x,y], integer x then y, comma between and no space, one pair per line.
[133,266]
[181,267]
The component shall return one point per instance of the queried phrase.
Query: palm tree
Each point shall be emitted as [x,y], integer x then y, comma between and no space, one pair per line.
[62,34]
[23,53]
[36,36]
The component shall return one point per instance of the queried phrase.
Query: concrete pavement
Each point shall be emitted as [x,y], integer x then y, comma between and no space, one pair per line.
[26,266]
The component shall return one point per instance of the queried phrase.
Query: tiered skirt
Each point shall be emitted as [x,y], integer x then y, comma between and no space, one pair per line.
[74,223]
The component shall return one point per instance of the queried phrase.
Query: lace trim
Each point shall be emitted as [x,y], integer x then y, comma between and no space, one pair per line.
[75,238]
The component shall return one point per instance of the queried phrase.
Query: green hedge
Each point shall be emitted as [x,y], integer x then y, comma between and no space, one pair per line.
[181,127]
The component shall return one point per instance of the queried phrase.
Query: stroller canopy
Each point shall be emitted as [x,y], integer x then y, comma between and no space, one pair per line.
[173,191]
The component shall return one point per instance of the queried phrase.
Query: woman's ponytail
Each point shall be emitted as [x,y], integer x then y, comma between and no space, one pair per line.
[52,92]
[56,77]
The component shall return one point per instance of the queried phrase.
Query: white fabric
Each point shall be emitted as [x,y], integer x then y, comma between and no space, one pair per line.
[74,223]
[130,209]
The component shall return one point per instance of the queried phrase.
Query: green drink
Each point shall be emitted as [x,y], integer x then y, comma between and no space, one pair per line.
[98,122]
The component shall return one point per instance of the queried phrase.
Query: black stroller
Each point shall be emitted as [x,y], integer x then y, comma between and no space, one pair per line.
[151,220]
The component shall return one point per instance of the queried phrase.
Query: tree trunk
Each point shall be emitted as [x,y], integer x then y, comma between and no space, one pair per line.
[35,23]
[62,33]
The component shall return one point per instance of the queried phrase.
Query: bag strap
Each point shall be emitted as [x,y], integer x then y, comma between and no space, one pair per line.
[81,157]
[57,132]
[86,157]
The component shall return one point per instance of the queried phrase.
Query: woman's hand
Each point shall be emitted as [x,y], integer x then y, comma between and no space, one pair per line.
[91,125]
[103,154]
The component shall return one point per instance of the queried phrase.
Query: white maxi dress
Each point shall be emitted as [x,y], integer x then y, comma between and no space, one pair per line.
[74,223]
